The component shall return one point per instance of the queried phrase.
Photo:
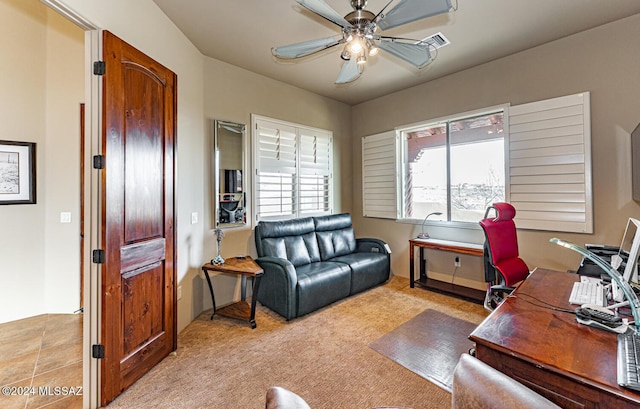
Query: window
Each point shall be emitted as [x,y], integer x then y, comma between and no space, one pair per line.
[454,167]
[537,156]
[293,170]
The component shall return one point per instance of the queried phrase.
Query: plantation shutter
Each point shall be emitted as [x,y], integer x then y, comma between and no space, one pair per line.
[275,169]
[294,167]
[550,164]
[379,175]
[315,171]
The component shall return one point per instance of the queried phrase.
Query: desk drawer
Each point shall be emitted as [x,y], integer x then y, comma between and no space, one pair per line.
[562,390]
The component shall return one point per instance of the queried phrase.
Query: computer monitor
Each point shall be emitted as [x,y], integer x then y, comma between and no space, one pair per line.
[629,250]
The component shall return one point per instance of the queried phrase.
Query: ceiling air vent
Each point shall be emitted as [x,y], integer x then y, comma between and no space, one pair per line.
[438,40]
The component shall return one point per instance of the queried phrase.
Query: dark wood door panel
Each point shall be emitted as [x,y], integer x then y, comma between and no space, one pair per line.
[138,277]
[144,147]
[137,255]
[142,307]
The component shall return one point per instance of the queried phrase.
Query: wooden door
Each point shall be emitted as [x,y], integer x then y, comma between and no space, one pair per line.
[138,324]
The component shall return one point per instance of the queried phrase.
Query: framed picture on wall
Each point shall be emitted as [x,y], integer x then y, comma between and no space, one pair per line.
[17,172]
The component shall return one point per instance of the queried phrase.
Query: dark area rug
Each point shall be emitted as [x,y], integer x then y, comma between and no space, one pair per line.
[429,344]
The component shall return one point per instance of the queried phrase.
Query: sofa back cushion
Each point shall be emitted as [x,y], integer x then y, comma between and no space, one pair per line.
[294,240]
[335,235]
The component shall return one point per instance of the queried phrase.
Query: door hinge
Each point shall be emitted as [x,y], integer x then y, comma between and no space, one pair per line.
[99,68]
[98,256]
[97,351]
[98,161]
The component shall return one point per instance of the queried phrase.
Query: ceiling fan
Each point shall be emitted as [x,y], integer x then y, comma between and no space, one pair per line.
[360,38]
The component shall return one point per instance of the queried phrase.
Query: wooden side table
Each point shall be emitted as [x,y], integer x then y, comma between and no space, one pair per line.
[245,267]
[443,245]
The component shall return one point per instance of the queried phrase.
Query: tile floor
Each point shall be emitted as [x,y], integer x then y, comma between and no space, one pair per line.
[41,357]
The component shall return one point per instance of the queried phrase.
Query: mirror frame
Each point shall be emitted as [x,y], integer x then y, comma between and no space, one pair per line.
[216,172]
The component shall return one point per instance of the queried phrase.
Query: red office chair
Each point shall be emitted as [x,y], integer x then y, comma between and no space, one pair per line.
[503,268]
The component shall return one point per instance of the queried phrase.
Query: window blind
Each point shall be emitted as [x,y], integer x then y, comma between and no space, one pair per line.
[550,164]
[380,166]
[293,170]
[315,171]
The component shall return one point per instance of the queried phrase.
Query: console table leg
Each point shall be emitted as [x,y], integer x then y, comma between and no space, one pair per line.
[213,298]
[411,266]
[423,266]
[254,298]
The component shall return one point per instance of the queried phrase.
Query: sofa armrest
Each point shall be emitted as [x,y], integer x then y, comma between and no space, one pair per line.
[278,285]
[369,245]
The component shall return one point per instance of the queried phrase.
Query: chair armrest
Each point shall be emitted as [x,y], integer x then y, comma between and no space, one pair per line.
[280,398]
[369,245]
[477,385]
[502,288]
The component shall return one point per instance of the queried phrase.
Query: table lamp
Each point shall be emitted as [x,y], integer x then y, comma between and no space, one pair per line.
[424,234]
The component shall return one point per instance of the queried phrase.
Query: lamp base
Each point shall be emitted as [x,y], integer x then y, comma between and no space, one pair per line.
[423,235]
[217,260]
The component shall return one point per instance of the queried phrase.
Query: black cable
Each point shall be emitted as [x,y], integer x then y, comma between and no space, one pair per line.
[543,304]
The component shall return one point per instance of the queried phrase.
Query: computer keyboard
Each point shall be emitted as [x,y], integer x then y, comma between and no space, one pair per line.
[628,357]
[587,292]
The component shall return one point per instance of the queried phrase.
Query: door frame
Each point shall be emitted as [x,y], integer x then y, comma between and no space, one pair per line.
[90,202]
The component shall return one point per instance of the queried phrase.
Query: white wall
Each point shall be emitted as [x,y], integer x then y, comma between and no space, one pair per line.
[64,93]
[603,60]
[41,60]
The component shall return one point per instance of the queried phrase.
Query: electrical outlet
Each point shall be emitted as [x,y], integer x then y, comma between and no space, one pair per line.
[456,262]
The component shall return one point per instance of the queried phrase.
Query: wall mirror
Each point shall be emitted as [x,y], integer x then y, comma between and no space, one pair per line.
[229,192]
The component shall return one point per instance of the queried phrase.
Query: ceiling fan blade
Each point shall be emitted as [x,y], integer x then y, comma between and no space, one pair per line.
[323,9]
[305,48]
[407,11]
[350,71]
[417,54]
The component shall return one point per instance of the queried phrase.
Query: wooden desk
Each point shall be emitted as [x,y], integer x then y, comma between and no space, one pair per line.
[245,267]
[444,245]
[570,364]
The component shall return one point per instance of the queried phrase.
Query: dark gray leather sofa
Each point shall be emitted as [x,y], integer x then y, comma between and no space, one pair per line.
[312,262]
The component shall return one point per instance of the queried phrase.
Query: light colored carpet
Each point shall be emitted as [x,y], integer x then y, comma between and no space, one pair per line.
[429,344]
[324,357]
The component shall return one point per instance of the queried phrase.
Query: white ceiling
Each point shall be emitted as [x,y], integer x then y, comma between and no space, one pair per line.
[242,33]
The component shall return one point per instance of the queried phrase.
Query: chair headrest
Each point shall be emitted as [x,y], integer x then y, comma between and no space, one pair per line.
[504,212]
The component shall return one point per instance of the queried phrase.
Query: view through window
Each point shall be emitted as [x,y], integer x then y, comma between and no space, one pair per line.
[456,168]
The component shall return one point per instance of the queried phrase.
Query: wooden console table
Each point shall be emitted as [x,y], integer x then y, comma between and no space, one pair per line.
[571,364]
[437,285]
[245,267]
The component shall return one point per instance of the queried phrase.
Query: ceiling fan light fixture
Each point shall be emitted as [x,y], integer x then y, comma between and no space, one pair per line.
[358,34]
[355,46]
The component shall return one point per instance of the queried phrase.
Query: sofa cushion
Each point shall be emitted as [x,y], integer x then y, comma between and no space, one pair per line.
[294,240]
[335,235]
[320,284]
[367,269]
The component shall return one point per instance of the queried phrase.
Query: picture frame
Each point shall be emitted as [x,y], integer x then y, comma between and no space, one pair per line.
[17,172]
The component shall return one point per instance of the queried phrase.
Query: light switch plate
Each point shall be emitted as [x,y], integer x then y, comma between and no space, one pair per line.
[194,217]
[65,217]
